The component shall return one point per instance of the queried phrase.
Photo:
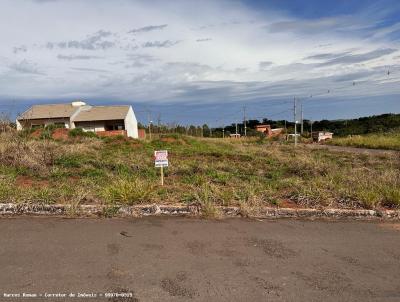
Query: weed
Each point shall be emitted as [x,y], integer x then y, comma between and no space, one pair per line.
[389,140]
[78,132]
[110,211]
[128,191]
[211,172]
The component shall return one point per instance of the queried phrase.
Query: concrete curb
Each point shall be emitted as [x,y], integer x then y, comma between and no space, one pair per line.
[11,209]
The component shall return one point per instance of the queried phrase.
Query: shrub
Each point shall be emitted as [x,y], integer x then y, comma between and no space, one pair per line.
[78,132]
[205,197]
[128,191]
[68,161]
[21,153]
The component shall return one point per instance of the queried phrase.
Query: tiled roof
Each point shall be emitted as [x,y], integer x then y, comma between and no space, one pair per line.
[101,113]
[48,111]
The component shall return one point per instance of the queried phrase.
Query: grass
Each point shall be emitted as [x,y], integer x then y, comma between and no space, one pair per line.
[388,141]
[248,173]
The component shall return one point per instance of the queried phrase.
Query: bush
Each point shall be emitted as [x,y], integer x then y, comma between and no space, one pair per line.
[21,153]
[132,191]
[78,132]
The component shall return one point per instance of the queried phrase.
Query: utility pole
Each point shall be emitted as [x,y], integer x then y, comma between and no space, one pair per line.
[244,120]
[210,131]
[311,127]
[150,129]
[236,130]
[223,132]
[159,123]
[149,121]
[295,122]
[301,108]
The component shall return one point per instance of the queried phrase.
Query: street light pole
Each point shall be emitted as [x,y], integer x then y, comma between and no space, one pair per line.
[295,122]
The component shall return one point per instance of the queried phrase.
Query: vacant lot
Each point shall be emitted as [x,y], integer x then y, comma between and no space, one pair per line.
[388,141]
[248,173]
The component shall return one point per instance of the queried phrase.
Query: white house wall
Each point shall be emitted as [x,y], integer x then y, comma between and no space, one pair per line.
[26,124]
[131,126]
[94,126]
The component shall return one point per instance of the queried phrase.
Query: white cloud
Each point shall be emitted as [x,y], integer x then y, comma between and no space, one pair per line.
[151,52]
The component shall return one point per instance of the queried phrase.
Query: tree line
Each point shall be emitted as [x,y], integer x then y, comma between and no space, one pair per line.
[362,125]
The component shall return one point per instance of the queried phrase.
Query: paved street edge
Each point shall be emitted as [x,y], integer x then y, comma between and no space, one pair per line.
[12,209]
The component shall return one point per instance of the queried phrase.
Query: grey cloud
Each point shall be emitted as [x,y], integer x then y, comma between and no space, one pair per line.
[325,56]
[141,57]
[188,67]
[92,42]
[264,64]
[76,57]
[354,76]
[358,58]
[139,60]
[203,40]
[323,45]
[18,49]
[25,67]
[160,44]
[147,28]
[89,69]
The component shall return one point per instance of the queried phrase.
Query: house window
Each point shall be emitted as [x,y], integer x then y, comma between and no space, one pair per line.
[112,127]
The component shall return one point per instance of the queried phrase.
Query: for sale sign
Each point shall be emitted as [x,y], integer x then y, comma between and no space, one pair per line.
[161,158]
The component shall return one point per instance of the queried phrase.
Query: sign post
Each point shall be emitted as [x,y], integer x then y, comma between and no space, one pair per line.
[161,161]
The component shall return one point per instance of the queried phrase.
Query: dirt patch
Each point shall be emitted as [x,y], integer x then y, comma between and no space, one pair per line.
[28,182]
[37,133]
[60,134]
[168,139]
[136,144]
[286,203]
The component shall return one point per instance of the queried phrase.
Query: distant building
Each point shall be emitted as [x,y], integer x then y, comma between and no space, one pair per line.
[234,135]
[319,136]
[268,131]
[104,120]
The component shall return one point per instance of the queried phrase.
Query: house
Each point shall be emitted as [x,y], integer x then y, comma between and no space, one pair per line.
[319,136]
[104,120]
[268,131]
[234,135]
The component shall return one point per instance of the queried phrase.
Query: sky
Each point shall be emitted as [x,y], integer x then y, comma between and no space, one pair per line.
[188,61]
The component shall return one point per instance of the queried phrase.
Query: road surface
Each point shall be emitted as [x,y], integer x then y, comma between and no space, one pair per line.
[182,259]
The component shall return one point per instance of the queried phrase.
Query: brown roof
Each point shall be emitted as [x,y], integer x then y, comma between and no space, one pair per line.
[101,113]
[48,111]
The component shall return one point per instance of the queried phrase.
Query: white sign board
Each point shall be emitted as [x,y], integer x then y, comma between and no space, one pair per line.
[161,158]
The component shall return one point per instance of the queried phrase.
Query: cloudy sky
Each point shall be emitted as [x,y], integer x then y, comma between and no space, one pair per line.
[202,61]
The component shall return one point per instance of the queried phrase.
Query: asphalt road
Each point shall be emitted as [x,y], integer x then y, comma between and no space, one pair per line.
[182,259]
